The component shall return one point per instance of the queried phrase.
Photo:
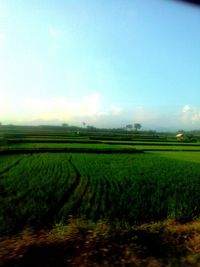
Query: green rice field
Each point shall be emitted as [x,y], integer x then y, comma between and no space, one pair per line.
[44,189]
[63,184]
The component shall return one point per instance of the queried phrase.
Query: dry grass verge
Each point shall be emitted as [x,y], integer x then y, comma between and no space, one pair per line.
[83,243]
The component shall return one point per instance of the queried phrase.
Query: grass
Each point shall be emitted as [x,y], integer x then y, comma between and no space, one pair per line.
[8,162]
[32,189]
[103,146]
[98,209]
[42,189]
[65,145]
[184,156]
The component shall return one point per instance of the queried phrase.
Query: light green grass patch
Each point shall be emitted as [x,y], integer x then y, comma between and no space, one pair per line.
[180,155]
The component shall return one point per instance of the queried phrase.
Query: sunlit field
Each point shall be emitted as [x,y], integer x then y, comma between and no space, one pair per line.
[44,189]
[98,186]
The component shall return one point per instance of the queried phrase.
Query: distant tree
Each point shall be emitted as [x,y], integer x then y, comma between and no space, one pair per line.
[0,123]
[129,127]
[181,131]
[151,132]
[190,137]
[84,124]
[137,126]
[65,125]
[91,128]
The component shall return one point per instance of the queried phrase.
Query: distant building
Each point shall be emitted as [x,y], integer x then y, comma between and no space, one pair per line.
[180,136]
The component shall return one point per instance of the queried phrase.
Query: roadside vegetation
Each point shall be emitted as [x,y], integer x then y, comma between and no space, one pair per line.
[85,243]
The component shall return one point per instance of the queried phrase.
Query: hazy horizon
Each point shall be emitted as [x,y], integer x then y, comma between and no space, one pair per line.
[108,63]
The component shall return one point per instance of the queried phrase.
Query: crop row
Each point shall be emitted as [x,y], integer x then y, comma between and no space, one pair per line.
[32,190]
[140,188]
[43,189]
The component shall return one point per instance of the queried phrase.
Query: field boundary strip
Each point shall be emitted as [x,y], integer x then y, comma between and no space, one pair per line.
[71,150]
[8,151]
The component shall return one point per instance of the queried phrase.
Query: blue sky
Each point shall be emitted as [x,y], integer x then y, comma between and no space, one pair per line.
[108,63]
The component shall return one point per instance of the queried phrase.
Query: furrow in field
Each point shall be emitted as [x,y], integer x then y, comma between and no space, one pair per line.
[52,214]
[90,198]
[73,201]
[9,167]
[79,194]
[96,211]
[78,175]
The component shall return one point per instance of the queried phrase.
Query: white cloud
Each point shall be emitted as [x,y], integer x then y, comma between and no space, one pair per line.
[62,108]
[191,116]
[58,108]
[88,108]
[186,108]
[196,117]
[91,108]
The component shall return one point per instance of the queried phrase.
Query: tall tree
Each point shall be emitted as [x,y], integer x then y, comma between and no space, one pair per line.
[129,127]
[137,126]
